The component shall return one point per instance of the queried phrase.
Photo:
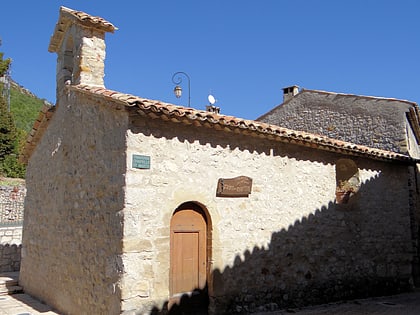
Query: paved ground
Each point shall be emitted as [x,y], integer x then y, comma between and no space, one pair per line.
[403,304]
[23,304]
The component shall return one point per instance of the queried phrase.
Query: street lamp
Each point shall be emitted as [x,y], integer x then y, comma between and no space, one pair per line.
[178,89]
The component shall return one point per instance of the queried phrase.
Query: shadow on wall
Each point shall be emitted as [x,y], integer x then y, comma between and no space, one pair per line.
[10,257]
[339,252]
[359,248]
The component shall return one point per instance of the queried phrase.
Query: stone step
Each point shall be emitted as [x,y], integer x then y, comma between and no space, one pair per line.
[10,290]
[9,283]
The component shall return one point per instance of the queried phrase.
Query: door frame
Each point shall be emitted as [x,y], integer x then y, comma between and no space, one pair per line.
[200,209]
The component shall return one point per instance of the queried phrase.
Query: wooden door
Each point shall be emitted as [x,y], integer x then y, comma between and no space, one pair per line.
[188,254]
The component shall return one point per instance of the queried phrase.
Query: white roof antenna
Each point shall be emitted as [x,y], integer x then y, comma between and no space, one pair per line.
[211,107]
[211,99]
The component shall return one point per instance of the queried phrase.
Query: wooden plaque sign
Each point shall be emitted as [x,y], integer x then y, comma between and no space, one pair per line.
[234,187]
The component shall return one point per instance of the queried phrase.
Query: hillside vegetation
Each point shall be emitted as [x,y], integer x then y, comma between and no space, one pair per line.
[24,106]
[24,109]
[16,120]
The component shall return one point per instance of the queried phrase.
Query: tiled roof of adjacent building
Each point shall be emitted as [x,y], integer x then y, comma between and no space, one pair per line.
[169,112]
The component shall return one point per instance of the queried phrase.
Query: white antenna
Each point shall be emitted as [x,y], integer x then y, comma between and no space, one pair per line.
[211,107]
[211,99]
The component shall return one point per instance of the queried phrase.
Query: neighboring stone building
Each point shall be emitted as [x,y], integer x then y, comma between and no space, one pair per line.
[135,206]
[377,122]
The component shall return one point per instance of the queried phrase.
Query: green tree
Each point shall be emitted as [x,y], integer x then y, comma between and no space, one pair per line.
[7,131]
[4,64]
[9,135]
[9,165]
[9,145]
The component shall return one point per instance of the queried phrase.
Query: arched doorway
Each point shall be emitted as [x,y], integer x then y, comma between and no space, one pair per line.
[189,237]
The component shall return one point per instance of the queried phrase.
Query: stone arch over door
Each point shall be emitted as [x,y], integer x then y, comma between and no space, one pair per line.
[190,251]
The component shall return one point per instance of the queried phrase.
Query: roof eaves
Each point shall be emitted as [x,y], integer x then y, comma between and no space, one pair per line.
[87,19]
[166,111]
[38,129]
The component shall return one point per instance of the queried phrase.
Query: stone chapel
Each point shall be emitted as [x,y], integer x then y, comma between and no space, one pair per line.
[138,206]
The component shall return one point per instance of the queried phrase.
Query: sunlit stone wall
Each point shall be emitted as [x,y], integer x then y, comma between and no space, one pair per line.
[286,244]
[72,232]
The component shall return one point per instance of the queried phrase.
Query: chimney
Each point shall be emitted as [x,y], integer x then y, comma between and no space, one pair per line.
[79,41]
[289,92]
[213,109]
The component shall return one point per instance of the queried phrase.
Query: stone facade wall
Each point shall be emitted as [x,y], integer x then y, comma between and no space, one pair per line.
[72,232]
[377,124]
[287,244]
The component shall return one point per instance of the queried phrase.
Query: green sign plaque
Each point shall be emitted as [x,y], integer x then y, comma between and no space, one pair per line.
[141,161]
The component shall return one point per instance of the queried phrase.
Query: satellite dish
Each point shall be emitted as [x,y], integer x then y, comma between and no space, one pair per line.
[211,99]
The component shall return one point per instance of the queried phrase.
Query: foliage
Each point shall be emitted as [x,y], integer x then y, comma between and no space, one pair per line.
[16,124]
[11,167]
[5,181]
[14,128]
[4,64]
[9,144]
[25,108]
[7,131]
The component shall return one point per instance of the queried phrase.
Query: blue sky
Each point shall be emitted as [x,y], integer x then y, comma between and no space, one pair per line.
[242,52]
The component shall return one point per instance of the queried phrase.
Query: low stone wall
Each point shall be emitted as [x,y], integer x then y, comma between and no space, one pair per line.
[10,248]
[12,196]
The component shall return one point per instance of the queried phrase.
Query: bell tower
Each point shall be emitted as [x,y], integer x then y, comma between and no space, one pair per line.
[79,41]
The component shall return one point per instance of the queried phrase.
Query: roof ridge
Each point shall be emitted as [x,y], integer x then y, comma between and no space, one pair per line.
[358,96]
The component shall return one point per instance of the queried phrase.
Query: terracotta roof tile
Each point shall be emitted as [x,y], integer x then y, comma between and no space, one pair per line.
[95,21]
[189,115]
[68,16]
[166,111]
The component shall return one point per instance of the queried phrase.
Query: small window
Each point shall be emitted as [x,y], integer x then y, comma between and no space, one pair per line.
[347,180]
